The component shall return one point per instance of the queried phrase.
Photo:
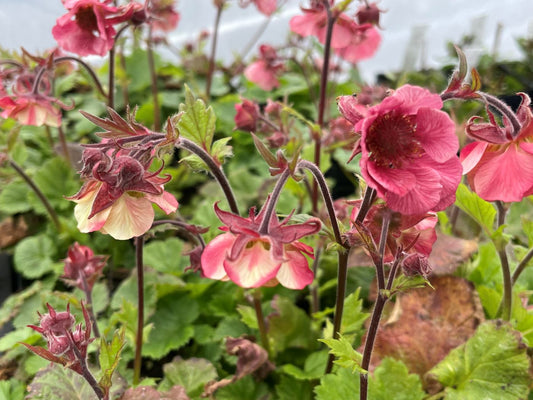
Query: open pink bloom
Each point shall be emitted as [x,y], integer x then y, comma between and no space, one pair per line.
[87,28]
[266,7]
[35,110]
[408,149]
[363,43]
[81,264]
[117,199]
[265,71]
[314,23]
[251,258]
[410,234]
[498,166]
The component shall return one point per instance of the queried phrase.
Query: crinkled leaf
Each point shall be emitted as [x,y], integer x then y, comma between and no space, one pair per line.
[480,210]
[197,121]
[290,389]
[342,384]
[110,356]
[345,354]
[14,198]
[149,393]
[221,150]
[33,256]
[493,361]
[192,374]
[314,367]
[165,256]
[172,325]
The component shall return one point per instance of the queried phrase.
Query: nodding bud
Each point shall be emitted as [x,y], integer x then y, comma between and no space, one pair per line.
[416,264]
[368,14]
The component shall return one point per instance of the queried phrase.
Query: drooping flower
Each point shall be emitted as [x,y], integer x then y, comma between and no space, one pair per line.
[161,14]
[368,14]
[251,258]
[247,115]
[87,28]
[408,149]
[266,7]
[117,198]
[364,42]
[499,166]
[409,234]
[65,342]
[82,265]
[265,71]
[32,109]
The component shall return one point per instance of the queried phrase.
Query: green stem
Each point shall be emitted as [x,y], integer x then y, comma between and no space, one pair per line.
[261,320]
[522,265]
[153,80]
[37,191]
[139,240]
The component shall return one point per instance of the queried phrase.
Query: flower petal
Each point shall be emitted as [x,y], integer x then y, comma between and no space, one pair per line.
[129,217]
[294,273]
[214,254]
[436,132]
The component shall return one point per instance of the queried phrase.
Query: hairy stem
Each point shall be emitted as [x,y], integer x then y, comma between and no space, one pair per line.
[272,201]
[38,193]
[85,369]
[217,172]
[91,72]
[261,320]
[522,265]
[212,56]
[89,303]
[139,241]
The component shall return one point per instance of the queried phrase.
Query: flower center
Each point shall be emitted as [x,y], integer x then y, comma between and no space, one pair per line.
[390,140]
[86,19]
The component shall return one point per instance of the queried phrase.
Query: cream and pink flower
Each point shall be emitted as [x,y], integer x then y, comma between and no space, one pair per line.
[408,149]
[265,71]
[498,165]
[88,26]
[252,258]
[30,109]
[117,198]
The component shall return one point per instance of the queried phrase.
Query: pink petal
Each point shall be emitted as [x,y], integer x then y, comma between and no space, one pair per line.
[450,176]
[306,24]
[399,181]
[129,217]
[254,267]
[166,201]
[436,132]
[214,254]
[414,97]
[471,154]
[295,273]
[259,73]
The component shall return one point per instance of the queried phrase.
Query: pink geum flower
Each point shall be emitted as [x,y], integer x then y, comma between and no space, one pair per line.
[499,166]
[87,28]
[408,149]
[251,258]
[159,13]
[265,71]
[314,23]
[82,267]
[247,115]
[364,42]
[266,7]
[33,109]
[117,198]
[67,344]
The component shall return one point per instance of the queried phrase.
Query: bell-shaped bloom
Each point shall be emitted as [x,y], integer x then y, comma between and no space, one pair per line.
[363,44]
[368,13]
[87,27]
[408,149]
[66,343]
[265,71]
[247,115]
[82,265]
[35,110]
[499,166]
[161,14]
[117,199]
[410,234]
[252,258]
[266,7]
[313,22]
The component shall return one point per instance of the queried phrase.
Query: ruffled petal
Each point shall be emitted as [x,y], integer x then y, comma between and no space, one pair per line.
[295,273]
[436,133]
[214,254]
[398,181]
[129,217]
[471,154]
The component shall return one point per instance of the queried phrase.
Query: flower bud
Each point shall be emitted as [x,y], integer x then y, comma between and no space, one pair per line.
[416,264]
[368,14]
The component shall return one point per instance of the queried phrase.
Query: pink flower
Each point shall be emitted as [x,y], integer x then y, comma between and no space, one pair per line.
[408,148]
[247,115]
[35,110]
[251,258]
[363,44]
[117,199]
[159,13]
[264,72]
[81,264]
[314,23]
[87,28]
[266,7]
[499,166]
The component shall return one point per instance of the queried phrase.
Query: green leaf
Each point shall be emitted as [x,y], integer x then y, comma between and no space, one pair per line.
[165,256]
[392,380]
[221,150]
[493,361]
[14,198]
[58,383]
[12,389]
[197,122]
[291,389]
[480,210]
[353,316]
[345,354]
[110,356]
[33,256]
[243,389]
[342,384]
[192,374]
[314,367]
[248,316]
[172,325]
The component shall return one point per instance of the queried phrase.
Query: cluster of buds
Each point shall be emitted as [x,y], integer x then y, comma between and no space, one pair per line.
[66,342]
[82,267]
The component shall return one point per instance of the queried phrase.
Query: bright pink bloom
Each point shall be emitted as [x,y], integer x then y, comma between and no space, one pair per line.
[265,71]
[498,166]
[408,148]
[87,28]
[363,44]
[266,7]
[81,264]
[117,199]
[247,115]
[35,110]
[251,258]
[314,23]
